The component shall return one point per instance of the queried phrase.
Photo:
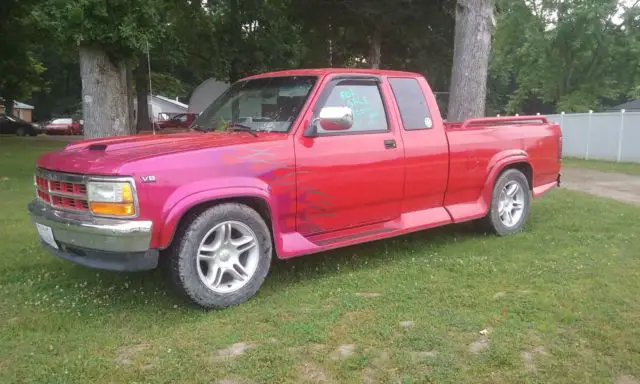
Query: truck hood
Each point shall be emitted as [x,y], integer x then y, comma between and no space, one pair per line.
[106,156]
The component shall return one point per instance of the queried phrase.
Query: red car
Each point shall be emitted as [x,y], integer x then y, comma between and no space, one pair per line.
[181,121]
[308,160]
[63,126]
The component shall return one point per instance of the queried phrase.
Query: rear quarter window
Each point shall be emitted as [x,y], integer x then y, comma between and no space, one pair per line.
[411,102]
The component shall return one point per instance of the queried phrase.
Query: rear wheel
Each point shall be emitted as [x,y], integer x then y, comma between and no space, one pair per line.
[21,132]
[510,204]
[221,257]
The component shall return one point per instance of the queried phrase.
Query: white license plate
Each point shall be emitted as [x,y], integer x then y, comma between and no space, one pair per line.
[47,235]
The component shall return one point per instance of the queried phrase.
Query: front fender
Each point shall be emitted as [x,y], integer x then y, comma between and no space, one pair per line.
[178,206]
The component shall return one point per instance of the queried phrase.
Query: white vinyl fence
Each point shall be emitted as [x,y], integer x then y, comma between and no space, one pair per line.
[613,136]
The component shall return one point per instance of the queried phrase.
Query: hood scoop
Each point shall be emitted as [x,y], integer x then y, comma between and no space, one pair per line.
[97,147]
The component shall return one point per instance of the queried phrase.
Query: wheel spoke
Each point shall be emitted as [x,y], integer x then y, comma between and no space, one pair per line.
[513,189]
[244,243]
[222,236]
[214,277]
[226,232]
[238,272]
[517,206]
[206,255]
[209,247]
[509,217]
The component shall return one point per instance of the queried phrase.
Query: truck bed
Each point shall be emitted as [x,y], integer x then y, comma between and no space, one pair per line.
[477,146]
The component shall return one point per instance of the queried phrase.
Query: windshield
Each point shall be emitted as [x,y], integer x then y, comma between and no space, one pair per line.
[267,104]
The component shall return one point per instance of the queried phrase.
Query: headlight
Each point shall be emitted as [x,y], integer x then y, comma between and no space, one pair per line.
[111,198]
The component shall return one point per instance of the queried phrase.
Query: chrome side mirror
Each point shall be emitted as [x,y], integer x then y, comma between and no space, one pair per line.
[336,118]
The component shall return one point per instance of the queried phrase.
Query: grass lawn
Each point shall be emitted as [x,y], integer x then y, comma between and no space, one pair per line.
[559,304]
[605,166]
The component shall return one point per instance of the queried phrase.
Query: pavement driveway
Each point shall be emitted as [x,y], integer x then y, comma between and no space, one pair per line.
[625,188]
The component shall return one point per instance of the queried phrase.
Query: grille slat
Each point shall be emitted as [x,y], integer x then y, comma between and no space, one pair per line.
[64,195]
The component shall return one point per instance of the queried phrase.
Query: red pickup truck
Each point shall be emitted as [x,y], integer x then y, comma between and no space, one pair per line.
[286,164]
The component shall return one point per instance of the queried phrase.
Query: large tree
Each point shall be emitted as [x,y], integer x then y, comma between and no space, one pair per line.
[472,46]
[109,36]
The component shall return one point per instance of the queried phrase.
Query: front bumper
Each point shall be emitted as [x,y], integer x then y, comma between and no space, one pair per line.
[113,244]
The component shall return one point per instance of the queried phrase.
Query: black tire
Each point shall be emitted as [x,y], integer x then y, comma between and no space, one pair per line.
[491,223]
[21,132]
[181,263]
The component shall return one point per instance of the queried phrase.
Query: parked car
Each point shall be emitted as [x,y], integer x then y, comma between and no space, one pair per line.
[63,126]
[180,121]
[310,160]
[16,126]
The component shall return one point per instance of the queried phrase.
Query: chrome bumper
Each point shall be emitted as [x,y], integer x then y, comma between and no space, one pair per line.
[85,231]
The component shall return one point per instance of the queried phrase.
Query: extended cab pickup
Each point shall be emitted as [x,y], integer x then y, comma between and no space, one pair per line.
[286,164]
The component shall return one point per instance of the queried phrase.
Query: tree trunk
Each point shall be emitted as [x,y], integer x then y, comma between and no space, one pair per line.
[472,45]
[142,90]
[105,109]
[375,49]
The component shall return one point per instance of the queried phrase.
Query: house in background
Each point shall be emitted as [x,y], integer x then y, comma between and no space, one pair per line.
[162,108]
[629,106]
[21,110]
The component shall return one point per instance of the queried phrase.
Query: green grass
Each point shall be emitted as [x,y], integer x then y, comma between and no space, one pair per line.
[605,166]
[567,287]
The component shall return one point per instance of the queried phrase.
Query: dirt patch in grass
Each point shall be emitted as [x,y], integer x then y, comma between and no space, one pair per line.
[233,351]
[310,372]
[626,379]
[479,345]
[368,294]
[343,351]
[126,354]
[529,358]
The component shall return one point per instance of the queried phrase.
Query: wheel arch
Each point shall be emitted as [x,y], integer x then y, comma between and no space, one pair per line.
[518,160]
[187,210]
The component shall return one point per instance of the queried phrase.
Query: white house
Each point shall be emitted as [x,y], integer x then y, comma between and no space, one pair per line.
[162,108]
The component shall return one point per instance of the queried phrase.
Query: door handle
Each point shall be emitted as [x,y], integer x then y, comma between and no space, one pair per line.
[389,143]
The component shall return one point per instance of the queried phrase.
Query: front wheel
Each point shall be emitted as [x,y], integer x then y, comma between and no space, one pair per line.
[221,257]
[510,204]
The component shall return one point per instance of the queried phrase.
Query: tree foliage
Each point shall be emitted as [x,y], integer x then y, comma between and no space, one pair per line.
[122,28]
[547,55]
[573,55]
[20,70]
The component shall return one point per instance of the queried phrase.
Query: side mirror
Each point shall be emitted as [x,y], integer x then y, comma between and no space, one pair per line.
[331,119]
[336,118]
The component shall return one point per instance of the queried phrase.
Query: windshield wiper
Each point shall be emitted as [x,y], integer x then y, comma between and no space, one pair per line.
[243,128]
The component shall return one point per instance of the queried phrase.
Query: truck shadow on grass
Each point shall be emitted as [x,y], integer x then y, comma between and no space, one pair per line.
[150,288]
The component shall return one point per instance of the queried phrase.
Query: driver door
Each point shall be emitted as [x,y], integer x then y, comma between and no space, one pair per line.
[354,177]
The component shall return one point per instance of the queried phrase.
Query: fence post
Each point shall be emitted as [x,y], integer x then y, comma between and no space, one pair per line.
[621,133]
[588,135]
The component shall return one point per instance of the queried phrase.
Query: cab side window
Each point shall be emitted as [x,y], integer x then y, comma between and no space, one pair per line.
[411,102]
[366,103]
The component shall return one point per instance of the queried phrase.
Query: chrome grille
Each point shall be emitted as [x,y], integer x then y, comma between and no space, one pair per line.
[63,191]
